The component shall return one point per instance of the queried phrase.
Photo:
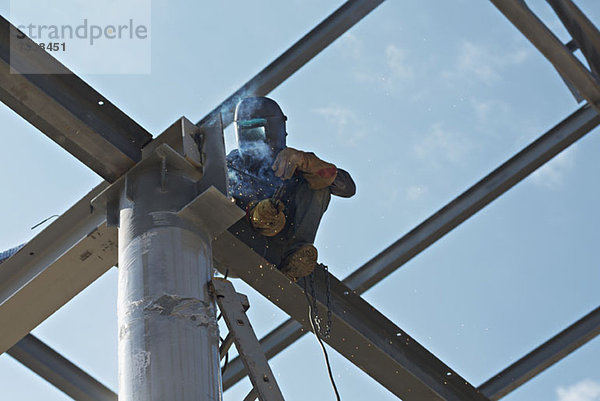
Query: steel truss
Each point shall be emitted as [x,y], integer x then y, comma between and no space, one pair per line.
[110,143]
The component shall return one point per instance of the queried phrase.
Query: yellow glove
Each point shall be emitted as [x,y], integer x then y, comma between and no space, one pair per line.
[317,172]
[267,216]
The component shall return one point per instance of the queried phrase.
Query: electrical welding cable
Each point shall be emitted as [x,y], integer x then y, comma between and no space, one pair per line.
[313,326]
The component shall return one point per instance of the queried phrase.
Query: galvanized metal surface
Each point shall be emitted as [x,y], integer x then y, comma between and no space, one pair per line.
[168,333]
[215,166]
[58,371]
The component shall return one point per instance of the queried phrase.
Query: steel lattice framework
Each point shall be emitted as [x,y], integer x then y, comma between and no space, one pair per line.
[80,246]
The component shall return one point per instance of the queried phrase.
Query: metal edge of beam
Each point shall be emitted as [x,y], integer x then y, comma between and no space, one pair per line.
[446,219]
[581,29]
[66,109]
[359,332]
[60,372]
[544,356]
[52,268]
[311,44]
[548,44]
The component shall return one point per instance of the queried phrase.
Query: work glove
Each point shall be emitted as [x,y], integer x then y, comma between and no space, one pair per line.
[317,172]
[267,216]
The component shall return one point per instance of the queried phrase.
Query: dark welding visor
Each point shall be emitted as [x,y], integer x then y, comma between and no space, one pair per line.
[252,130]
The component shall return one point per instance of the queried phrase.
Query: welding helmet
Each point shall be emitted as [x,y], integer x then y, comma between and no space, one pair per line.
[259,128]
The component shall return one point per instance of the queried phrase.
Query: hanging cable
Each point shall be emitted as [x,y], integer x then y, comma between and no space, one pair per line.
[314,329]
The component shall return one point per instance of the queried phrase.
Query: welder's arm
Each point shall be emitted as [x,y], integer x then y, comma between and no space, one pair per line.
[318,173]
[343,185]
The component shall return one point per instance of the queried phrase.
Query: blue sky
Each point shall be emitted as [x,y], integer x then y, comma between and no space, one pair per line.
[418,101]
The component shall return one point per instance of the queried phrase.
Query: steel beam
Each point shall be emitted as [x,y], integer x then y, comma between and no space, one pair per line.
[57,370]
[359,332]
[447,218]
[295,57]
[544,356]
[551,47]
[56,265]
[65,108]
[582,30]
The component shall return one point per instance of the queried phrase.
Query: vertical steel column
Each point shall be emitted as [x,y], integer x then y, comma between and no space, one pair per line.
[168,335]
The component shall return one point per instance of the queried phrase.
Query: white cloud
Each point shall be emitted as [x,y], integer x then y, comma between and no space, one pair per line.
[486,110]
[475,60]
[347,125]
[397,62]
[389,72]
[339,115]
[415,192]
[585,390]
[483,62]
[440,144]
[552,174]
[350,45]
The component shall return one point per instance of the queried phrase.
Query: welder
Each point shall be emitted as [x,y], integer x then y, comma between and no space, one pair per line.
[284,191]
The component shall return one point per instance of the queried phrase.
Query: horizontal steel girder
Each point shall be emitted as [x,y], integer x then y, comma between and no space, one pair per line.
[544,356]
[57,370]
[66,109]
[359,332]
[296,56]
[443,221]
[70,254]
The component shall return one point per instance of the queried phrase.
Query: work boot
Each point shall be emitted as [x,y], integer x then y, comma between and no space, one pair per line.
[301,262]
